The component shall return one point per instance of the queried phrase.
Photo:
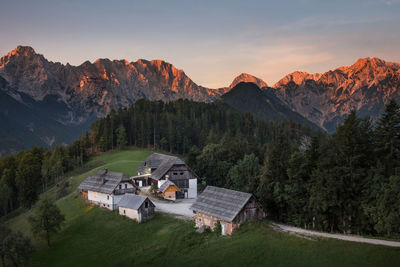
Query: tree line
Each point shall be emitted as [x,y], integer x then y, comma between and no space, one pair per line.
[25,175]
[346,182]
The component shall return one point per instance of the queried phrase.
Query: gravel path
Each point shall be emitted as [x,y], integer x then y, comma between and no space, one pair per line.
[352,238]
[180,207]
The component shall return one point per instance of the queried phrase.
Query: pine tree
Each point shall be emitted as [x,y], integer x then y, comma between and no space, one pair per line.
[122,140]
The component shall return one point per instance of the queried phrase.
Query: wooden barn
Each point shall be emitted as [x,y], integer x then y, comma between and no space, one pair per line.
[158,167]
[168,190]
[229,207]
[136,207]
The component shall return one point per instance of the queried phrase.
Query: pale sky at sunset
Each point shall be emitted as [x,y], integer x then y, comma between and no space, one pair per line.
[212,41]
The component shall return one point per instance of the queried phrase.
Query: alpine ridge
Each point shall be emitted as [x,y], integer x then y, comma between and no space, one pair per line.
[326,99]
[47,103]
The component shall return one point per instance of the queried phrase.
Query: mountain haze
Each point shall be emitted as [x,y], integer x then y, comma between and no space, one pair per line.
[248,97]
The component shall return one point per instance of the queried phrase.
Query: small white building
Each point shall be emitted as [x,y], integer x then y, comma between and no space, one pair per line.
[106,188]
[136,207]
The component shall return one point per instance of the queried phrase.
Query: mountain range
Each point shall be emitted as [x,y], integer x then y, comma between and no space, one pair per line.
[46,103]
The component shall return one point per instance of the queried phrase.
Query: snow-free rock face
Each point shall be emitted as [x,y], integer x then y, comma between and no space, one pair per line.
[327,98]
[96,88]
[47,103]
[244,77]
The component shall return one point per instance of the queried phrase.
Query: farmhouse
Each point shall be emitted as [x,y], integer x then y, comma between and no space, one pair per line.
[136,207]
[157,167]
[169,190]
[106,188]
[230,208]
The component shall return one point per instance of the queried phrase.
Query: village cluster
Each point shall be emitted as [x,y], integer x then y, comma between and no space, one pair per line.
[172,179]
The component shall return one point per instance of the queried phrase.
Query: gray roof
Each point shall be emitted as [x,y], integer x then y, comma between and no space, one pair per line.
[103,181]
[161,162]
[165,185]
[225,204]
[132,201]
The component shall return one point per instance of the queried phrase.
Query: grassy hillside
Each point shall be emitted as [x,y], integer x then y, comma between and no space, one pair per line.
[95,237]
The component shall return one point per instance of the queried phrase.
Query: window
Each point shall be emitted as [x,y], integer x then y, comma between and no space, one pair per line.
[146,204]
[175,173]
[108,197]
[95,194]
[181,173]
[108,205]
[120,186]
[126,186]
[124,212]
[104,205]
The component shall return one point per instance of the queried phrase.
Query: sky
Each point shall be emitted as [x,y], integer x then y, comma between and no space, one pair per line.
[212,41]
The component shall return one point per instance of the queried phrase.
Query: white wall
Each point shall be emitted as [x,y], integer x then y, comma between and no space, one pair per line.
[192,191]
[160,182]
[130,213]
[101,199]
[123,185]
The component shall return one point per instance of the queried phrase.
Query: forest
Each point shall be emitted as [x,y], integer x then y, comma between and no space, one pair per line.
[346,182]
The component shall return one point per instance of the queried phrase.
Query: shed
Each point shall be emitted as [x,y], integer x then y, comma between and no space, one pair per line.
[136,207]
[229,207]
[168,190]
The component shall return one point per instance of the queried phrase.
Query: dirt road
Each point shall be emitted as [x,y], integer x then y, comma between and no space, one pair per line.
[352,238]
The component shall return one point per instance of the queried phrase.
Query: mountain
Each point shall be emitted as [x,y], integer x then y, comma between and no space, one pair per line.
[248,97]
[244,77]
[48,103]
[327,98]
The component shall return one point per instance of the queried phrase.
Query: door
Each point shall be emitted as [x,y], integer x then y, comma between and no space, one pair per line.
[140,183]
[223,228]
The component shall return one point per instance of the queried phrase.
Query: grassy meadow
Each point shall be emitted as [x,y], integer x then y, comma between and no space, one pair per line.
[92,236]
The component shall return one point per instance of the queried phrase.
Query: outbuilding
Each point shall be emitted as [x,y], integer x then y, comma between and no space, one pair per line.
[228,207]
[136,207]
[169,190]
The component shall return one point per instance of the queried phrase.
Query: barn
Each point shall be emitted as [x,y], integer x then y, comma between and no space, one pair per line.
[229,207]
[136,207]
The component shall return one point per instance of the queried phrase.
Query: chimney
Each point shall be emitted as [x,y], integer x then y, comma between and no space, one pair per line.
[166,178]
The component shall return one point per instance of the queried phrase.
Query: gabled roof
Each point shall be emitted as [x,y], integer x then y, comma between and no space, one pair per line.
[162,163]
[103,181]
[132,201]
[225,204]
[165,185]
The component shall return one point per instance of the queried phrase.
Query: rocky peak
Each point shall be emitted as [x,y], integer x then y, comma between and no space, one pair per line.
[298,77]
[245,77]
[22,51]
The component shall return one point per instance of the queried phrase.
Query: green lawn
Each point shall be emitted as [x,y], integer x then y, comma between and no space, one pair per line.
[95,237]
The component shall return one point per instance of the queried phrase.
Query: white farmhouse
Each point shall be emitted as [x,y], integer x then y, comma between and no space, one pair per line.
[106,188]
[159,168]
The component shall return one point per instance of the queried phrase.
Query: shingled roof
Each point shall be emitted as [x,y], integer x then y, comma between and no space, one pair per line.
[132,201]
[103,181]
[162,163]
[225,204]
[165,185]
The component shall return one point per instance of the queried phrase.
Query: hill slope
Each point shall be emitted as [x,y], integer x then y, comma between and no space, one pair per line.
[93,236]
[248,97]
